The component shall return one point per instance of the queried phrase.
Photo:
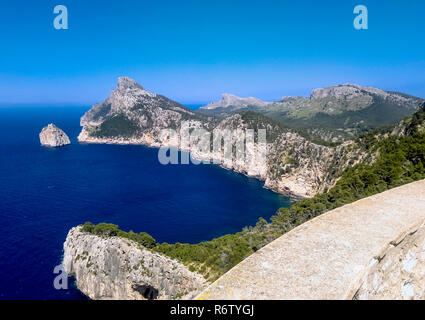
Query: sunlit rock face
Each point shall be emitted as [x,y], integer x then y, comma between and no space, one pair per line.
[52,136]
[120,269]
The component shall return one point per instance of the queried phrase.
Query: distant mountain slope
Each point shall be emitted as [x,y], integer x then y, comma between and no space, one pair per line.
[335,113]
[230,104]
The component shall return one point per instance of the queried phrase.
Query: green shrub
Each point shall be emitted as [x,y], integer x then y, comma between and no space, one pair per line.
[111,230]
[118,125]
[102,229]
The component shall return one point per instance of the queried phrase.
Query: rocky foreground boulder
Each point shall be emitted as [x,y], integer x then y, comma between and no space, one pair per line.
[52,136]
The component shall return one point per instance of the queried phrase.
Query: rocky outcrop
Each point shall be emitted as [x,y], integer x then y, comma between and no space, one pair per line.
[120,269]
[301,168]
[342,98]
[52,136]
[371,249]
[230,100]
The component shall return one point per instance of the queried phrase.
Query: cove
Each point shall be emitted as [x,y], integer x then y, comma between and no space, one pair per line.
[44,192]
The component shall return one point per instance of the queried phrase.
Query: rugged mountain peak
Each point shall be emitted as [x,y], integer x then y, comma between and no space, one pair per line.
[123,98]
[343,91]
[351,91]
[230,100]
[127,94]
[125,83]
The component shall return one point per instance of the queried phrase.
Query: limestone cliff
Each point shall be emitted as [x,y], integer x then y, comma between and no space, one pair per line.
[299,167]
[120,269]
[294,166]
[52,136]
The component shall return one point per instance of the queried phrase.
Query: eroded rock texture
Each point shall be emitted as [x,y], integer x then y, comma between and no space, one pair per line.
[120,269]
[52,136]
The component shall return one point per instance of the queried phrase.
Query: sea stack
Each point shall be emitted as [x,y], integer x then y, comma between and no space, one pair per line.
[52,136]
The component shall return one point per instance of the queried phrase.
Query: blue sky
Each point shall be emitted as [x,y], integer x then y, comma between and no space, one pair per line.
[192,51]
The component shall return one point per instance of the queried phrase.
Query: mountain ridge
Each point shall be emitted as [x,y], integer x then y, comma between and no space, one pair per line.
[295,165]
[336,113]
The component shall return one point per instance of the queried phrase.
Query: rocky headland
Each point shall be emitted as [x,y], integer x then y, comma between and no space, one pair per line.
[121,269]
[295,165]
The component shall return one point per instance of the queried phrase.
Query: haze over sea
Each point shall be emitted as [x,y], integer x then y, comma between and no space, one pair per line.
[44,192]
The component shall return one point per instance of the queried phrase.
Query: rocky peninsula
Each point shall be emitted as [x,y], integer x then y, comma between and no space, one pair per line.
[295,165]
[52,136]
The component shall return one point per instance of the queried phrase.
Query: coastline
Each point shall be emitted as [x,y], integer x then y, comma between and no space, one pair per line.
[84,138]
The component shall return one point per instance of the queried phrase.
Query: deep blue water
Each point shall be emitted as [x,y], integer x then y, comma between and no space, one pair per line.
[44,192]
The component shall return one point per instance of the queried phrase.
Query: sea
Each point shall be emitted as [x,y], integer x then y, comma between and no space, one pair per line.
[44,192]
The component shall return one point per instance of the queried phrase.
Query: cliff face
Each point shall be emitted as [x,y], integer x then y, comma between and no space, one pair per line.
[301,168]
[294,165]
[117,268]
[52,136]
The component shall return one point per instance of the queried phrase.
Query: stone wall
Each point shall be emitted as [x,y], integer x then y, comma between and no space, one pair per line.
[371,249]
[399,273]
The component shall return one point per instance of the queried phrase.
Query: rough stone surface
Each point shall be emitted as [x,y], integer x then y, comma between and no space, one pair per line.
[52,136]
[399,273]
[120,269]
[371,249]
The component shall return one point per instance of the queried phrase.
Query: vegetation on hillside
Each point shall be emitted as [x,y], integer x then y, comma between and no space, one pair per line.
[111,230]
[397,160]
[117,126]
[274,128]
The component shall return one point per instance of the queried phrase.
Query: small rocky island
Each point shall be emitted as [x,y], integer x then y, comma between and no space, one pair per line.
[52,136]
